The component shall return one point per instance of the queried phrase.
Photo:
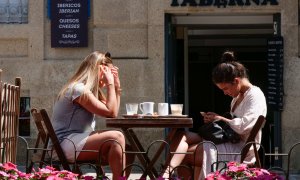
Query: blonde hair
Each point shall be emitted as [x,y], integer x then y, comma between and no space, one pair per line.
[88,74]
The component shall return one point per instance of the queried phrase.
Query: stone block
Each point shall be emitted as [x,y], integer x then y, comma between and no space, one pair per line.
[11,48]
[156,12]
[138,11]
[130,42]
[289,12]
[291,75]
[290,34]
[111,12]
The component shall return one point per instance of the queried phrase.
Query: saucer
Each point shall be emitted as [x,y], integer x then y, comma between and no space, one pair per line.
[177,115]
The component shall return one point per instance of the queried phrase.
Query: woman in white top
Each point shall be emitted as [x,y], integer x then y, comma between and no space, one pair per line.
[247,105]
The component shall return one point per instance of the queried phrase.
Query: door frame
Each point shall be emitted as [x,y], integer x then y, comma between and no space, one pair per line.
[170,86]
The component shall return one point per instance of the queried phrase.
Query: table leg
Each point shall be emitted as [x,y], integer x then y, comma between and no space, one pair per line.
[148,171]
[137,147]
[159,151]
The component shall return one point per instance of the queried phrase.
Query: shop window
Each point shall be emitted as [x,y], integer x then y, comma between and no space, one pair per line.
[14,11]
[24,119]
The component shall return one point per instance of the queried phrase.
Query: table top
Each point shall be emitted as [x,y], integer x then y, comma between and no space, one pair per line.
[150,122]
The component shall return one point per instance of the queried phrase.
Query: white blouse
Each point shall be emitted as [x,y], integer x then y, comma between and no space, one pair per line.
[247,112]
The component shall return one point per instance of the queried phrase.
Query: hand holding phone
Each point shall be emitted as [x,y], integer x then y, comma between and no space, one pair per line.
[203,113]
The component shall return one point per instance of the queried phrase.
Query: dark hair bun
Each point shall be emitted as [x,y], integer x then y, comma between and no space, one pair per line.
[228,56]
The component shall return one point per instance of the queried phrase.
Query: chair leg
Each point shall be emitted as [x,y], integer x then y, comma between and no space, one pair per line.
[100,171]
[57,167]
[29,168]
[77,170]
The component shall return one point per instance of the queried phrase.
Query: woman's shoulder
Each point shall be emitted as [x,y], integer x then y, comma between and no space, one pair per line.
[255,91]
[76,88]
[77,85]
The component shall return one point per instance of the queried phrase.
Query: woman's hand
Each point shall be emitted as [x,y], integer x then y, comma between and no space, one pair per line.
[114,71]
[210,117]
[106,76]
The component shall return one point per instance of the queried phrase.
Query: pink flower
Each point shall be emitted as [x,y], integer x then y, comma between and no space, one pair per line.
[9,166]
[3,174]
[242,171]
[242,167]
[54,178]
[231,163]
[88,177]
[45,170]
[233,168]
[50,168]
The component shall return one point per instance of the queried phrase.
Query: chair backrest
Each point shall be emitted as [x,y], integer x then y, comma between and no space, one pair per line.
[9,118]
[46,131]
[251,141]
[38,120]
[41,141]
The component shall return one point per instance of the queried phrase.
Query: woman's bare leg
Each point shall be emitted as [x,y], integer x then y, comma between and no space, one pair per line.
[180,144]
[193,160]
[111,150]
[129,160]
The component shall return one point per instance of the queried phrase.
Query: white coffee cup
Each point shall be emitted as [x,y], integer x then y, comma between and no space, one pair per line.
[132,108]
[147,108]
[163,109]
[176,109]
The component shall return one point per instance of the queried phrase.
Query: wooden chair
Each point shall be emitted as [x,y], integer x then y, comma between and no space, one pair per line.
[39,150]
[246,148]
[9,118]
[46,133]
[251,141]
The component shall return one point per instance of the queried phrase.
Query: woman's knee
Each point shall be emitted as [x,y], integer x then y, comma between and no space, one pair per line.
[119,136]
[115,140]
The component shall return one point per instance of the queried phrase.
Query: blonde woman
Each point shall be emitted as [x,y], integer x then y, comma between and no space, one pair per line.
[79,101]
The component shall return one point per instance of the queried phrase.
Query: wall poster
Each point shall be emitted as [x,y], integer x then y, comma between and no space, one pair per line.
[69,26]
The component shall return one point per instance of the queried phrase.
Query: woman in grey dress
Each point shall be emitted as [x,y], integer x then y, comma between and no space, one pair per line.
[79,101]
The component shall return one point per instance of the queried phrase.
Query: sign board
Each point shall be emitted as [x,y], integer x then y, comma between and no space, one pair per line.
[223,3]
[69,20]
[275,73]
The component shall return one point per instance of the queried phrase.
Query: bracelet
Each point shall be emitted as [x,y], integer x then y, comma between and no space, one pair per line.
[118,90]
[109,84]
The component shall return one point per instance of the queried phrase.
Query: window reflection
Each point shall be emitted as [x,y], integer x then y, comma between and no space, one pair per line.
[14,11]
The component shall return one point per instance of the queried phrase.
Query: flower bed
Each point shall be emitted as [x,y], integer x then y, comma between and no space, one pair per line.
[234,171]
[9,171]
[240,171]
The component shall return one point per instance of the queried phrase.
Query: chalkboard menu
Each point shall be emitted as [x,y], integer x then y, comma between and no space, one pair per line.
[69,23]
[275,73]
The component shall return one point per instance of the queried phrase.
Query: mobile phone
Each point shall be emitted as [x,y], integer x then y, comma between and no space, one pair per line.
[203,113]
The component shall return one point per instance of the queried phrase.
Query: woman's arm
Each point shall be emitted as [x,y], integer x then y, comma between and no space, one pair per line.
[108,109]
[95,106]
[114,71]
[253,106]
